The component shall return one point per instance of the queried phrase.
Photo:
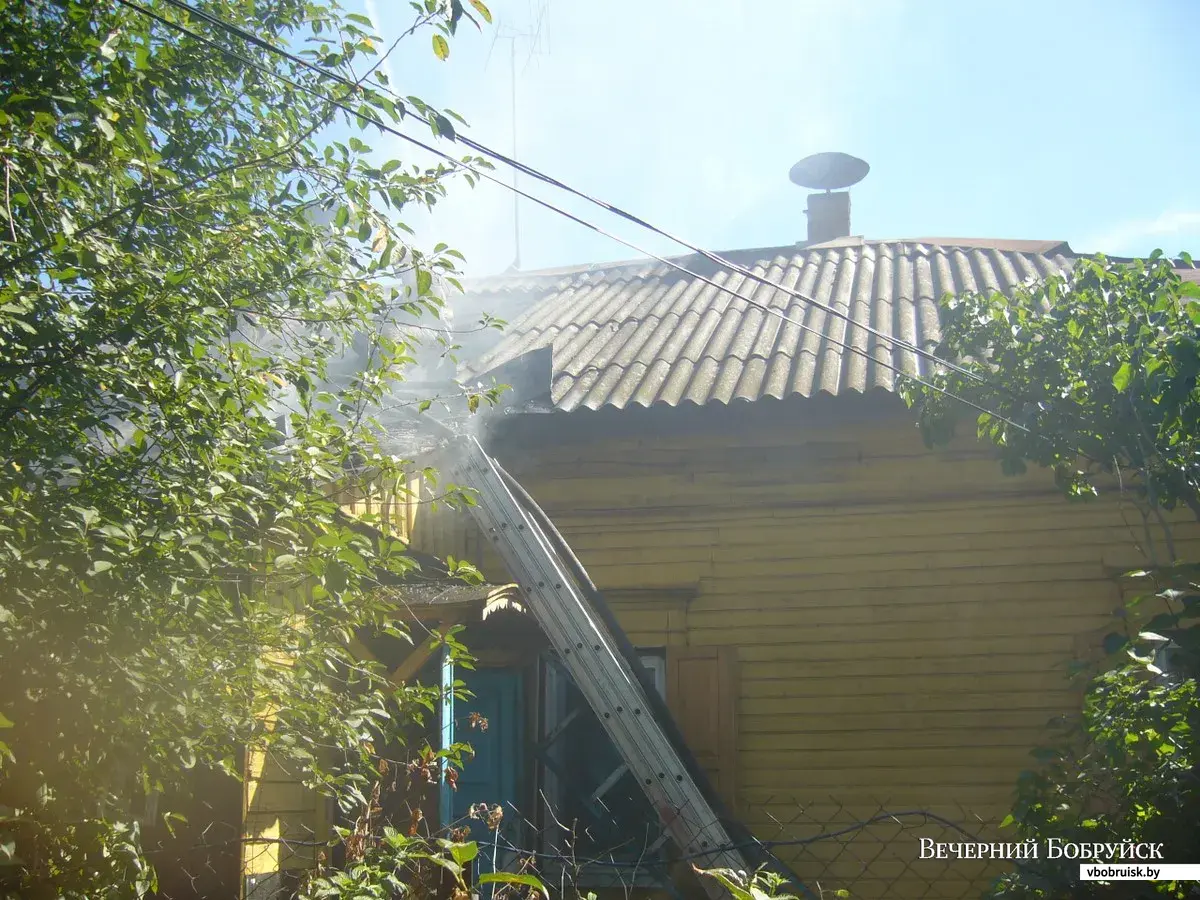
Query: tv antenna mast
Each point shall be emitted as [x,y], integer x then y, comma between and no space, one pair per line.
[533,36]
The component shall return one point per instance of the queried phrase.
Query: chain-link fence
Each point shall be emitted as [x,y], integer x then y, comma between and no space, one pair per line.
[827,848]
[875,850]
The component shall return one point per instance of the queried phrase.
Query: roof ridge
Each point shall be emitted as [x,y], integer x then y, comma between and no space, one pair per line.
[509,279]
[584,268]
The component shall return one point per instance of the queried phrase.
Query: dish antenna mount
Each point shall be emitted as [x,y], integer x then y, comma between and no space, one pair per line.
[829,171]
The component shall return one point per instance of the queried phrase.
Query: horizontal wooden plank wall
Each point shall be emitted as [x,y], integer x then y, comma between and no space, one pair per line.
[903,618]
[283,822]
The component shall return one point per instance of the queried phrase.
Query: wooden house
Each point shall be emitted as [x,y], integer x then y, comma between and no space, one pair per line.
[843,622]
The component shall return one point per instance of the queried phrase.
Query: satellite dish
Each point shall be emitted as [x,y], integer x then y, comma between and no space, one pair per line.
[829,171]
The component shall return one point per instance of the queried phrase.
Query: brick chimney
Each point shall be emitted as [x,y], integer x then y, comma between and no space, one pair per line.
[828,216]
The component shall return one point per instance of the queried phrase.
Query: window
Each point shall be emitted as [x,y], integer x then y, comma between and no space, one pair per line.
[597,808]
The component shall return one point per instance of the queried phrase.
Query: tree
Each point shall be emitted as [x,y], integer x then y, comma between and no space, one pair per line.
[1096,374]
[165,277]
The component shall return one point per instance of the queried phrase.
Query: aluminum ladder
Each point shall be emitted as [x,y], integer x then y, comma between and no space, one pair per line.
[588,651]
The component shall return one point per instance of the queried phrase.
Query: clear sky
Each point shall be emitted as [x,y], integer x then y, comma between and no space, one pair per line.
[1053,119]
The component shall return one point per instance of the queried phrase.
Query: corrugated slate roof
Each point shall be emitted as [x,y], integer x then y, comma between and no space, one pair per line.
[641,333]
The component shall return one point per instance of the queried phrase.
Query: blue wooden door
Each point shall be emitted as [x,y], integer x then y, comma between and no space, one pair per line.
[493,775]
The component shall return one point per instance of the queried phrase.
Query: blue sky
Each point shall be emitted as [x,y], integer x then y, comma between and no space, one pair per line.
[1058,119]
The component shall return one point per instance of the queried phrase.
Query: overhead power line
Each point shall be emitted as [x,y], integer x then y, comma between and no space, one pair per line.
[518,166]
[712,257]
[388,129]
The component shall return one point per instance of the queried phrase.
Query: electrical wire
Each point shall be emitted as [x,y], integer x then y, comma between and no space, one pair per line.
[383,126]
[712,257]
[719,260]
[769,844]
[554,182]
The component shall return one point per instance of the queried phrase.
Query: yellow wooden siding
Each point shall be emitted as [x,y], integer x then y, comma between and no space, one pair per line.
[282,820]
[413,511]
[903,618]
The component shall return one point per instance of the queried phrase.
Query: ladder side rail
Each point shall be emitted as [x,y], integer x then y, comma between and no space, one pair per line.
[602,674]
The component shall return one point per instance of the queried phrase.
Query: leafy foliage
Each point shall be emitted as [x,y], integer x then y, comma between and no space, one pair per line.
[762,884]
[1126,769]
[184,241]
[1097,374]
[384,862]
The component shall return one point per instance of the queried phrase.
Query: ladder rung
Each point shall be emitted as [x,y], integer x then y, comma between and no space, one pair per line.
[556,733]
[607,784]
[657,845]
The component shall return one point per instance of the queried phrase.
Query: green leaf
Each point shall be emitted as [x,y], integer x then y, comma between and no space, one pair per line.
[731,881]
[1122,377]
[443,127]
[5,721]
[512,878]
[424,282]
[441,49]
[105,128]
[464,853]
[448,864]
[484,12]
[285,561]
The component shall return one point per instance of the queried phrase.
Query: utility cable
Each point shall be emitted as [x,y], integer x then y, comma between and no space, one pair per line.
[712,257]
[383,126]
[554,182]
[888,339]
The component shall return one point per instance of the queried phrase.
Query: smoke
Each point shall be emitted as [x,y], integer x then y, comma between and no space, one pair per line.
[444,339]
